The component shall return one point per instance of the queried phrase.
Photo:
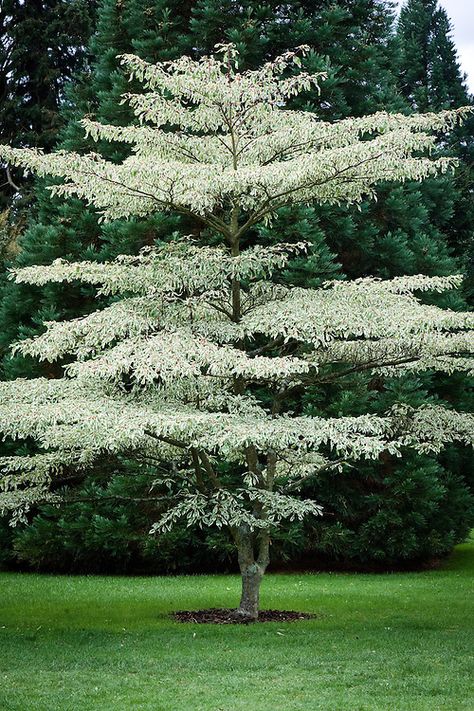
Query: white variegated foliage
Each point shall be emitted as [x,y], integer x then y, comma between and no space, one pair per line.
[233,144]
[195,358]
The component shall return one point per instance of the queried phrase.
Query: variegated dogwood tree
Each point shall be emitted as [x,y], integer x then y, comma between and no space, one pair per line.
[196,360]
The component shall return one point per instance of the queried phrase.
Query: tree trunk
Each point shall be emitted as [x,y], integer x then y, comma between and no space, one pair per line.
[249,602]
[252,570]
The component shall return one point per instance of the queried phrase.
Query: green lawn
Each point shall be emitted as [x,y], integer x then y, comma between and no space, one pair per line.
[389,642]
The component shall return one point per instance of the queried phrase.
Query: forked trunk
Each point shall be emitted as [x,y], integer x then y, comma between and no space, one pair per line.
[252,570]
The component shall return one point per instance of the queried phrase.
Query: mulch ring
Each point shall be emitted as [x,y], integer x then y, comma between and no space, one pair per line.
[220,616]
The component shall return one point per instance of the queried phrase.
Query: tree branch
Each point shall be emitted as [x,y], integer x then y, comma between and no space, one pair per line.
[197,469]
[10,180]
[209,469]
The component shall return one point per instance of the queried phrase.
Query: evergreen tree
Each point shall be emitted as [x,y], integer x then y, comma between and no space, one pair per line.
[158,31]
[408,231]
[43,43]
[431,79]
[430,74]
[411,228]
[72,230]
[403,233]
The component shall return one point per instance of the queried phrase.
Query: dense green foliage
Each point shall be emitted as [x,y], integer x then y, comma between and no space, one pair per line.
[390,513]
[430,79]
[429,74]
[378,642]
[43,43]
[43,47]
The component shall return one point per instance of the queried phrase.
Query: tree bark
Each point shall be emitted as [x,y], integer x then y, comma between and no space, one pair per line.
[250,598]
[252,570]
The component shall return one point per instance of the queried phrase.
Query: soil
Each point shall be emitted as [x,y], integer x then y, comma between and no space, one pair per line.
[219,616]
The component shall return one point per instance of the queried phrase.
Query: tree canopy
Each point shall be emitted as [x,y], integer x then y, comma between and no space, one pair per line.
[194,362]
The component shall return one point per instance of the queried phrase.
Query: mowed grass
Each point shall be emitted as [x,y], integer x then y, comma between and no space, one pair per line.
[387,642]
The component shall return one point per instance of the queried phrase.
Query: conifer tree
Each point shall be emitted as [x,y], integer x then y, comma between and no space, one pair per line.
[70,230]
[431,79]
[403,233]
[430,74]
[193,366]
[409,229]
[43,43]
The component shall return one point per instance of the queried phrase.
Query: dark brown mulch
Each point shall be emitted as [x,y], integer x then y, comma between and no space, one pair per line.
[222,616]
